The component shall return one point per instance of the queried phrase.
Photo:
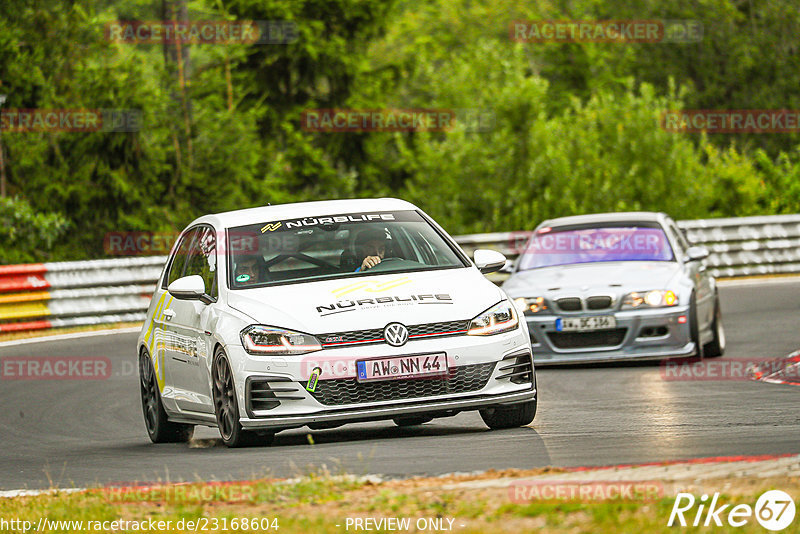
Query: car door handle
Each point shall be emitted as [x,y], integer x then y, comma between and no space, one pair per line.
[169,314]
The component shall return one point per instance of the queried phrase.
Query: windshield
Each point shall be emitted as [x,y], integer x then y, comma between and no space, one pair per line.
[640,242]
[335,246]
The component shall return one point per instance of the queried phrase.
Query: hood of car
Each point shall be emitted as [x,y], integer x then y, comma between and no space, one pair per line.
[608,277]
[368,302]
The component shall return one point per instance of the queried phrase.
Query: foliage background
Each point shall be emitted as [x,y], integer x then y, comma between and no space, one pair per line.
[576,127]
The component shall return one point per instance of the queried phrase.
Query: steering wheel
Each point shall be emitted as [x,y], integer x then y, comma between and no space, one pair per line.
[388,260]
[383,261]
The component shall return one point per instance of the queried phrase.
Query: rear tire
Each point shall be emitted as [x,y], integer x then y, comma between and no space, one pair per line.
[226,408]
[411,421]
[159,427]
[716,347]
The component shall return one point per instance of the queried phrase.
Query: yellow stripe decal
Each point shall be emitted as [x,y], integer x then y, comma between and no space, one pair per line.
[158,358]
[370,286]
[148,340]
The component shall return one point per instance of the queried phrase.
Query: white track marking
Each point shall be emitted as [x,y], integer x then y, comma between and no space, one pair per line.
[75,335]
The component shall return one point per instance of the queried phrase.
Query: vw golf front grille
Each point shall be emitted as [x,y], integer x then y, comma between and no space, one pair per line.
[375,335]
[344,391]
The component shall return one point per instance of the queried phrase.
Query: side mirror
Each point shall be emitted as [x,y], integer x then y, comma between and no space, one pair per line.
[508,268]
[488,261]
[696,253]
[188,288]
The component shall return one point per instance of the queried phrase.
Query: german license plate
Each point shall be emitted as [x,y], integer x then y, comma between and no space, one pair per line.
[585,324]
[398,367]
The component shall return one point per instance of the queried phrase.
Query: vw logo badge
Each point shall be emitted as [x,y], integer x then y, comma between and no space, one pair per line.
[395,334]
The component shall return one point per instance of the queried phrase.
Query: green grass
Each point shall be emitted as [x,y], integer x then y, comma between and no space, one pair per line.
[319,502]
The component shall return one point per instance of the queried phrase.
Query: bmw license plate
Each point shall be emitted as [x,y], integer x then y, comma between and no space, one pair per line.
[585,324]
[396,367]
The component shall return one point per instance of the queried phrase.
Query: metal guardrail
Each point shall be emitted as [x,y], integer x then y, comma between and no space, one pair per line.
[76,293]
[748,245]
[53,295]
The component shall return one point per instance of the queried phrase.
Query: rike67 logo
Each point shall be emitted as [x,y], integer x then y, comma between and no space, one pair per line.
[774,510]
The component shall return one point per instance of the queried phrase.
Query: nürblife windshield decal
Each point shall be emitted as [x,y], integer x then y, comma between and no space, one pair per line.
[333,220]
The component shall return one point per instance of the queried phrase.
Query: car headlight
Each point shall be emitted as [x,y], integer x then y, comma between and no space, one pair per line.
[260,339]
[656,298]
[530,305]
[498,319]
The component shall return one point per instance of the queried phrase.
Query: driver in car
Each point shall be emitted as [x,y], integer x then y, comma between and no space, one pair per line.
[247,271]
[371,244]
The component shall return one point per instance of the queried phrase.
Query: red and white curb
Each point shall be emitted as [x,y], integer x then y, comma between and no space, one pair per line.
[782,371]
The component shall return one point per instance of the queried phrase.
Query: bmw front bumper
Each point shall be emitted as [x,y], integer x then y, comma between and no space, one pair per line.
[638,335]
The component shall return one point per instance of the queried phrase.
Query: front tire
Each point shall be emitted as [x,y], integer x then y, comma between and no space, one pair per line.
[513,416]
[226,407]
[716,347]
[694,327]
[411,421]
[159,427]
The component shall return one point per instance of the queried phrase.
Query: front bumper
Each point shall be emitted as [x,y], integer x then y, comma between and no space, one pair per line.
[440,407]
[294,406]
[633,339]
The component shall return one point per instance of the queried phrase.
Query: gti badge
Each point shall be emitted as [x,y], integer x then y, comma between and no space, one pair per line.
[395,334]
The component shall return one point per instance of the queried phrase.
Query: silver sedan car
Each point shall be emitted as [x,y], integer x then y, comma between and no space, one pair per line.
[616,286]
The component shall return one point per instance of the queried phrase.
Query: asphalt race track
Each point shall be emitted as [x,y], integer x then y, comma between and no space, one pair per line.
[79,433]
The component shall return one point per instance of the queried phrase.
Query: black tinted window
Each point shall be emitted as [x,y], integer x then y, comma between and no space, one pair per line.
[203,258]
[181,254]
[336,246]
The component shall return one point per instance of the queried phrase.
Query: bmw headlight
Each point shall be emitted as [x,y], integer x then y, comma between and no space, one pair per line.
[498,319]
[260,339]
[657,298]
[530,305]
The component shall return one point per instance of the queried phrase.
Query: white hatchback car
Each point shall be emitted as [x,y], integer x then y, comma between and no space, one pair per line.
[326,313]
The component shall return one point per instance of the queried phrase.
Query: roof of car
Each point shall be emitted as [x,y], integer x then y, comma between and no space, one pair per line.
[299,210]
[625,216]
